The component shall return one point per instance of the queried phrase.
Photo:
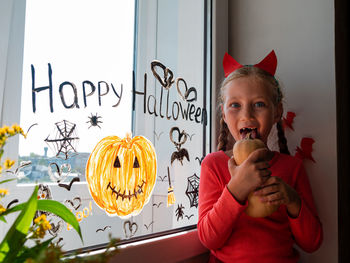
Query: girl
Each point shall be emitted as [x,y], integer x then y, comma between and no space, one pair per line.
[252,102]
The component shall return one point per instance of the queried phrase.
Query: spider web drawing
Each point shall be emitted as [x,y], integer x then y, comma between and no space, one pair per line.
[64,140]
[192,189]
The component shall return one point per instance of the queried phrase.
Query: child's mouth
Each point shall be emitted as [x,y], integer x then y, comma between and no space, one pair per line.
[252,131]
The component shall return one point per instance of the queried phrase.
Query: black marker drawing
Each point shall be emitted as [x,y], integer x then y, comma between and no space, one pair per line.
[162,178]
[149,225]
[167,80]
[157,136]
[185,95]
[30,128]
[189,217]
[200,160]
[179,212]
[172,110]
[57,243]
[75,202]
[44,192]
[56,227]
[192,190]
[157,205]
[58,173]
[11,203]
[65,139]
[21,165]
[181,139]
[130,229]
[190,136]
[68,186]
[103,229]
[94,121]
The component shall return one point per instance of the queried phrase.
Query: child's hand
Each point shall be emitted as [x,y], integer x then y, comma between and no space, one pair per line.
[276,192]
[252,173]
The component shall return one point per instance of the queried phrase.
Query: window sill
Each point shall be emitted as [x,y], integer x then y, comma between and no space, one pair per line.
[180,247]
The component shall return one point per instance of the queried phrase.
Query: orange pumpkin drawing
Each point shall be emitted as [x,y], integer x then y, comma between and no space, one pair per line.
[121,174]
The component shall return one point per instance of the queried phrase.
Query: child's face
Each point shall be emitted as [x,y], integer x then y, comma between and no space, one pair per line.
[248,107]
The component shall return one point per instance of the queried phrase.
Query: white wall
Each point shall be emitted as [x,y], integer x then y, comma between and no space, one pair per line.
[302,34]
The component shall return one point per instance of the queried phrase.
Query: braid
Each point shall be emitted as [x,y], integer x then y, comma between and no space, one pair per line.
[282,141]
[222,136]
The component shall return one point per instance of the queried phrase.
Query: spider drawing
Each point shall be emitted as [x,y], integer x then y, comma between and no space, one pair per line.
[179,212]
[94,120]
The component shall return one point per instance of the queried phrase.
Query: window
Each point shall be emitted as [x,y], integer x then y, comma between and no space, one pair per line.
[93,69]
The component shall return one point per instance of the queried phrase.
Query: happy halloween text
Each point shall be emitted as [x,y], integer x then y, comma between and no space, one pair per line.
[173,110]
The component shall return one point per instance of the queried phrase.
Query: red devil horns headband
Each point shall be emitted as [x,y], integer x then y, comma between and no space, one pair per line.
[269,64]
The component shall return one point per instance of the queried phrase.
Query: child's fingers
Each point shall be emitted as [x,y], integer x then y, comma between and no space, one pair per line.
[262,154]
[231,164]
[267,189]
[262,165]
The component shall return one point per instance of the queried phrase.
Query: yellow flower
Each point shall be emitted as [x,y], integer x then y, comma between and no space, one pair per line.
[0,169]
[2,132]
[43,225]
[3,141]
[8,163]
[39,219]
[6,128]
[2,209]
[11,132]
[3,192]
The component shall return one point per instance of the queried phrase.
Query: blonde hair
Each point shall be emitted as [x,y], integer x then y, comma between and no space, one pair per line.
[268,79]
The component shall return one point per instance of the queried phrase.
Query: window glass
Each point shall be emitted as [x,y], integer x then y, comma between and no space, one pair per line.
[77,80]
[92,69]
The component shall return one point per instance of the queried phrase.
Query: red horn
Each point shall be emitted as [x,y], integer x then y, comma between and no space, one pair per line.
[269,63]
[230,64]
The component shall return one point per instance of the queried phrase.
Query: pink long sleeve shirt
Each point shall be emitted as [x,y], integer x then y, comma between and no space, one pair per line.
[233,236]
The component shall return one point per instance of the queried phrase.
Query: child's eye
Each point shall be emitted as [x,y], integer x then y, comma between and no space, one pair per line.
[259,104]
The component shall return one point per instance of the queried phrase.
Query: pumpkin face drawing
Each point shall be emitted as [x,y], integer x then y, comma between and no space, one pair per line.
[121,174]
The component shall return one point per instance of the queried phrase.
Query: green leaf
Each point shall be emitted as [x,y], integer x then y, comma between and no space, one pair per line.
[33,252]
[2,218]
[16,236]
[13,209]
[62,211]
[7,180]
[54,207]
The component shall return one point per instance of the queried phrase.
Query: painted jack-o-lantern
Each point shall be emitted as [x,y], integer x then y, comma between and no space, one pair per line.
[121,174]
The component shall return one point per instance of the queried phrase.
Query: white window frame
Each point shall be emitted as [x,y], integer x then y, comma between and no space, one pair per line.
[10,76]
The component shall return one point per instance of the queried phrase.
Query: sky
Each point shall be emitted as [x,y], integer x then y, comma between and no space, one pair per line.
[83,40]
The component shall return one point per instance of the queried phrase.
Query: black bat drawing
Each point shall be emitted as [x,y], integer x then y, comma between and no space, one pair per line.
[147,227]
[189,217]
[179,155]
[157,136]
[21,165]
[157,205]
[68,186]
[190,136]
[162,178]
[181,152]
[11,203]
[200,160]
[103,229]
